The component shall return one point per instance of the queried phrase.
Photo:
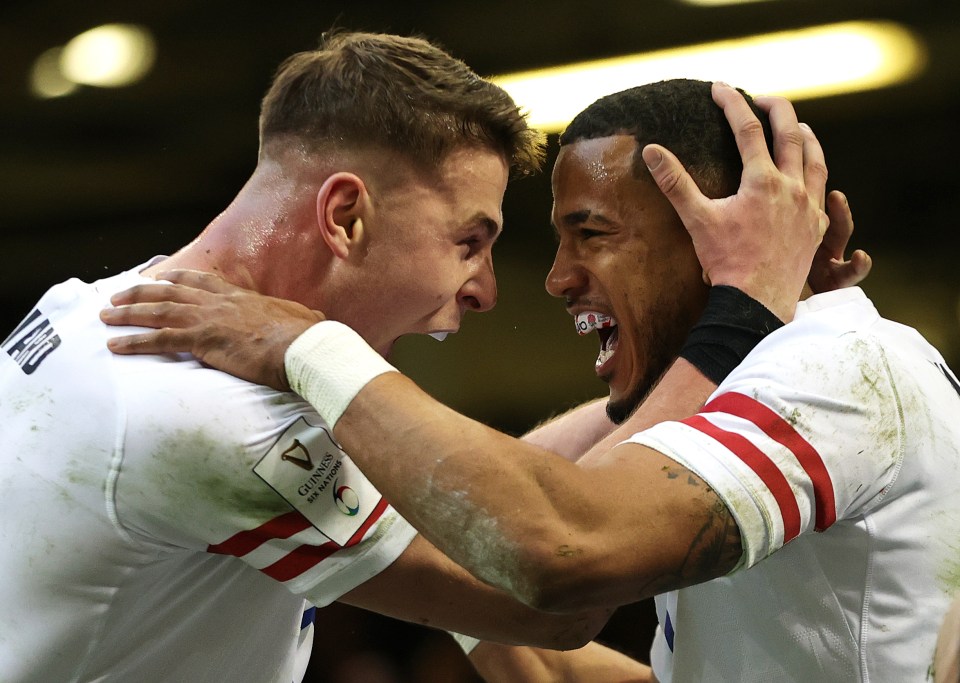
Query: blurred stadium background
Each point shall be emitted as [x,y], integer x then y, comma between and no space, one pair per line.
[99,179]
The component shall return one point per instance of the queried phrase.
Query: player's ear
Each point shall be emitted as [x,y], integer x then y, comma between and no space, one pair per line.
[341,204]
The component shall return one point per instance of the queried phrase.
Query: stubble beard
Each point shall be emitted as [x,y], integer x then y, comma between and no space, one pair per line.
[618,411]
[662,345]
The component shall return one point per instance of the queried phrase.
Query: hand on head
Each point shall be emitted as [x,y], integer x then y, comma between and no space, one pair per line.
[762,239]
[231,328]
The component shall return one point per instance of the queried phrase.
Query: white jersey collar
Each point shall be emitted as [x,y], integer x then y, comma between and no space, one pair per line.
[837,297]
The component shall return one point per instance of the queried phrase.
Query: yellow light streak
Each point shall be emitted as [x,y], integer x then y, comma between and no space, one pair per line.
[800,64]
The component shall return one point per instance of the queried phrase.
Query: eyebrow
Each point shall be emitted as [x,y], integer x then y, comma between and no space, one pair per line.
[490,226]
[575,218]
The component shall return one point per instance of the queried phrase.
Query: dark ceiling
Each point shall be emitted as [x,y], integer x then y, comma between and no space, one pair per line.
[103,179]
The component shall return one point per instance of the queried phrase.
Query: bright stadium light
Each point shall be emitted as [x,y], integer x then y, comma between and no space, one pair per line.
[109,56]
[801,64]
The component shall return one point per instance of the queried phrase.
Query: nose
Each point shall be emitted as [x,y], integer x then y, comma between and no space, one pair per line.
[479,293]
[564,278]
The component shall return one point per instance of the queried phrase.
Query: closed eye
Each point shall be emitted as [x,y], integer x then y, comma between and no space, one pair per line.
[579,220]
[479,234]
[473,244]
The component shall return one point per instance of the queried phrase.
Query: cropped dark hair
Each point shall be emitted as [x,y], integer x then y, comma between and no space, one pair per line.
[679,114]
[399,93]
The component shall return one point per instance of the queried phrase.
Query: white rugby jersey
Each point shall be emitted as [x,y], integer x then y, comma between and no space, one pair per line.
[160,520]
[836,446]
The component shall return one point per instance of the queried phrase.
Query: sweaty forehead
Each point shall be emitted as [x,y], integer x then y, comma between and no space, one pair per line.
[598,161]
[593,171]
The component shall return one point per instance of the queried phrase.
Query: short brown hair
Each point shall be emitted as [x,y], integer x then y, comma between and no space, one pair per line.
[400,93]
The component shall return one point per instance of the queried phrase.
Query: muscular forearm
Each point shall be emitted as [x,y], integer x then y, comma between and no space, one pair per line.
[453,478]
[554,535]
[575,432]
[587,429]
[680,393]
[425,587]
[594,663]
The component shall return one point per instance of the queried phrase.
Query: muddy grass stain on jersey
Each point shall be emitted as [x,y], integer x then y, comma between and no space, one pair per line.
[198,470]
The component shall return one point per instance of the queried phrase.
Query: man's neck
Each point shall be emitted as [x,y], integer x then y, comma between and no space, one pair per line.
[260,230]
[211,253]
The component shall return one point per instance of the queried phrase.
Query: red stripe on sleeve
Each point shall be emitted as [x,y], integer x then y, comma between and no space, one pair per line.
[374,516]
[765,468]
[300,560]
[242,543]
[783,433]
[306,557]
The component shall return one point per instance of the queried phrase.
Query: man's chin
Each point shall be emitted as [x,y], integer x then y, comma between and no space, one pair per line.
[618,411]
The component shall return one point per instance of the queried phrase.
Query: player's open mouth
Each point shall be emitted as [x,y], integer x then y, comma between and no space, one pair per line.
[606,328]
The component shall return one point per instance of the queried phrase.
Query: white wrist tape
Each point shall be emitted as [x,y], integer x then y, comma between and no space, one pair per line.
[466,643]
[329,364]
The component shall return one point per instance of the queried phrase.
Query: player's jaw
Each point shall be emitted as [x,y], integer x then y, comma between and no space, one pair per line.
[634,349]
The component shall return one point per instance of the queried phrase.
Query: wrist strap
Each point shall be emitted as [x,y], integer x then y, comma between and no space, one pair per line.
[328,365]
[732,324]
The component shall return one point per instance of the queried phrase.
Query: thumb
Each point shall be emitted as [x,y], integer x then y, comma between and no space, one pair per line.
[674,181]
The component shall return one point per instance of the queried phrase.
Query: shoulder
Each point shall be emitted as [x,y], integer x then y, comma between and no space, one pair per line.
[201,455]
[835,338]
[191,407]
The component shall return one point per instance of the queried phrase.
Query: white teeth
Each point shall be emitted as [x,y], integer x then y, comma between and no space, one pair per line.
[591,320]
[439,336]
[604,356]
